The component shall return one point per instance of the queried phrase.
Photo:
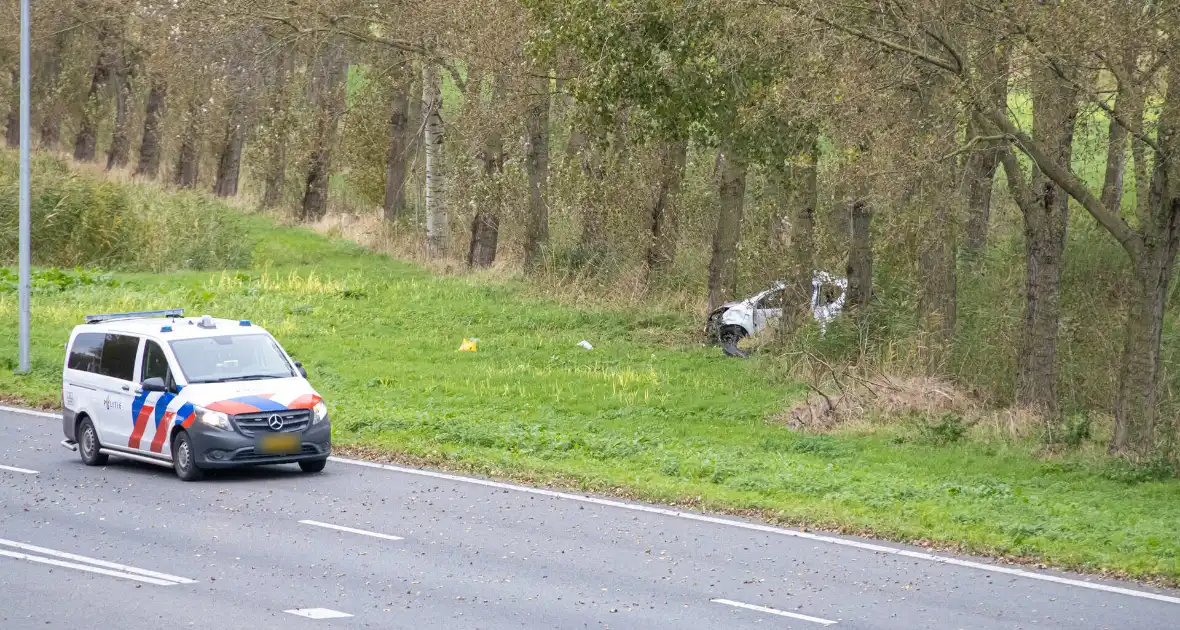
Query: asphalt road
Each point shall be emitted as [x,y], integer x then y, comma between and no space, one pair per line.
[130,546]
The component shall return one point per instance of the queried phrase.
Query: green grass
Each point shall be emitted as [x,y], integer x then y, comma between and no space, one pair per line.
[647,413]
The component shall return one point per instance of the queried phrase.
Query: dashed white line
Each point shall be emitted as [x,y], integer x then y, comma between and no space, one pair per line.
[702,518]
[120,568]
[352,530]
[82,567]
[318,613]
[14,469]
[774,611]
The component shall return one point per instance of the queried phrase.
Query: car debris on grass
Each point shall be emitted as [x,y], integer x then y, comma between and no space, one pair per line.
[729,323]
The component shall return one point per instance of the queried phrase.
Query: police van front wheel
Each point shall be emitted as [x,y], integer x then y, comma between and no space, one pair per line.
[184,460]
[88,445]
[313,465]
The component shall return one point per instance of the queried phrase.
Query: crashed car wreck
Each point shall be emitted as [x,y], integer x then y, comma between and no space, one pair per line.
[730,323]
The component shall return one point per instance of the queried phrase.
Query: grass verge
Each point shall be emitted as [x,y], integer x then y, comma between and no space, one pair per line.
[646,414]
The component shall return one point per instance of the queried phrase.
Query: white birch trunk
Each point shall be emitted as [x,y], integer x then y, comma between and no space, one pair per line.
[437,227]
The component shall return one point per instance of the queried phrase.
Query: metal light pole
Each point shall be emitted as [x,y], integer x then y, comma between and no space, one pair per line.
[24,187]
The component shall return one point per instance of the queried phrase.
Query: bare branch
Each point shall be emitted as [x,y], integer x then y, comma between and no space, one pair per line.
[855,32]
[1070,183]
[971,145]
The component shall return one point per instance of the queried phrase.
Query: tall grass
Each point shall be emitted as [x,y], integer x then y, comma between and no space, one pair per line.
[77,221]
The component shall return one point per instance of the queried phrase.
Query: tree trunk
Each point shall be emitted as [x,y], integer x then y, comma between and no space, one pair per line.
[86,142]
[315,191]
[1055,110]
[860,257]
[229,166]
[149,146]
[119,153]
[723,263]
[51,109]
[1137,402]
[12,130]
[276,175]
[394,205]
[802,182]
[938,303]
[188,165]
[276,126]
[661,250]
[1116,162]
[984,161]
[437,216]
[1116,141]
[1139,155]
[330,95]
[593,242]
[485,227]
[537,165]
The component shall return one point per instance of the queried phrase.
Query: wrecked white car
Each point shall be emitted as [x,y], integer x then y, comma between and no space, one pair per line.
[730,323]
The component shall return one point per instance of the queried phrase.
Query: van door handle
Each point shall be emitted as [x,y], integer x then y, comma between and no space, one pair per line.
[126,388]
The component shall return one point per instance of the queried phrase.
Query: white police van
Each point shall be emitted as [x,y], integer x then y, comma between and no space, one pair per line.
[192,394]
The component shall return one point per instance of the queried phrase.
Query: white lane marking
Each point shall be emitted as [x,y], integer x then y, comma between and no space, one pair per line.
[97,562]
[773,611]
[30,412]
[352,530]
[82,567]
[318,613]
[907,553]
[18,470]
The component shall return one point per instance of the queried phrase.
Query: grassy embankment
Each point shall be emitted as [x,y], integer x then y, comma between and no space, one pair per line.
[647,413]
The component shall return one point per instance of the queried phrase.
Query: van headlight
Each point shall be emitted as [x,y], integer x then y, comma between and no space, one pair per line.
[319,412]
[214,419]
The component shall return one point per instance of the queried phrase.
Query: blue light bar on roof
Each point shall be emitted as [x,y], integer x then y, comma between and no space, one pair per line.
[106,317]
[244,322]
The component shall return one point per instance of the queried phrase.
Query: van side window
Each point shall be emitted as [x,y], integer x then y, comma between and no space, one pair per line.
[86,353]
[118,356]
[155,363]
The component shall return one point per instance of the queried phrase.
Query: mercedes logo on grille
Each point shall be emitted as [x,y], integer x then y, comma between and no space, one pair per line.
[275,422]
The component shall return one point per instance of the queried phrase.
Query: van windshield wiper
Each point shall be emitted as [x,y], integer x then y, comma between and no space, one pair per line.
[252,377]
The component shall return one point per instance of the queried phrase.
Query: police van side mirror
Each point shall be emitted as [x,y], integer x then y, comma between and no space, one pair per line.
[154,384]
[302,371]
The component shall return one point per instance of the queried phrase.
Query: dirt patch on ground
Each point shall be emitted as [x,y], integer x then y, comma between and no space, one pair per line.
[857,398]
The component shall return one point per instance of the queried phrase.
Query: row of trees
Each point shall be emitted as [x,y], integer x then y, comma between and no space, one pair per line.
[532,118]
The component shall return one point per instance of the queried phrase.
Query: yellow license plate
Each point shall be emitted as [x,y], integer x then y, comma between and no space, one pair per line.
[278,444]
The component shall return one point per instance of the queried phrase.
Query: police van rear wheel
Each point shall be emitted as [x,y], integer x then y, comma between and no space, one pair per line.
[88,444]
[184,460]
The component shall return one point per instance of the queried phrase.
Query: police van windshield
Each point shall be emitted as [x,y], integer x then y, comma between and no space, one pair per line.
[231,358]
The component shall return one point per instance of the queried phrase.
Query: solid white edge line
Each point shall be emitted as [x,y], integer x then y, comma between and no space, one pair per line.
[352,530]
[773,611]
[96,562]
[18,470]
[30,412]
[82,567]
[993,568]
